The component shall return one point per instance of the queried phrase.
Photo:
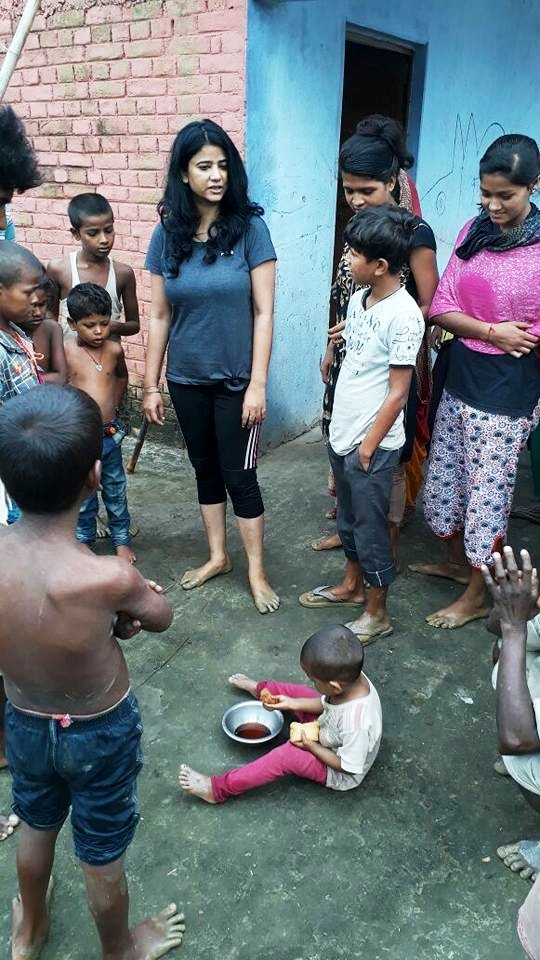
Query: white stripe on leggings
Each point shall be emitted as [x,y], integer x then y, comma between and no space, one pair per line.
[253,442]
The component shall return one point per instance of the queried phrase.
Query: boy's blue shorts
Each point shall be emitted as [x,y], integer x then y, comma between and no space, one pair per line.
[90,766]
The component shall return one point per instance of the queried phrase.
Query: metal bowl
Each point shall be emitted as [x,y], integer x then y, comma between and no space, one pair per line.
[251,711]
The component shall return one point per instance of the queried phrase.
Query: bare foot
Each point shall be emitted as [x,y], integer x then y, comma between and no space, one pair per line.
[8,825]
[212,568]
[332,542]
[126,553]
[195,783]
[264,597]
[370,626]
[522,857]
[153,938]
[244,683]
[457,615]
[267,601]
[28,947]
[446,570]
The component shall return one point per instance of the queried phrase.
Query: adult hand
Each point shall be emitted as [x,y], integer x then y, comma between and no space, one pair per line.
[512,337]
[125,626]
[326,362]
[334,333]
[152,405]
[254,408]
[435,336]
[514,592]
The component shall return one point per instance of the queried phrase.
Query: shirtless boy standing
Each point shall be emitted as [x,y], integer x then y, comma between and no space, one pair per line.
[73,726]
[96,364]
[92,225]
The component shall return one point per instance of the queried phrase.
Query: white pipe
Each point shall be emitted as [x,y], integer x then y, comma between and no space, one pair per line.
[14,50]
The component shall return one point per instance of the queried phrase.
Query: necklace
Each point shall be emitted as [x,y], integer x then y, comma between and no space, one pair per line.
[97,363]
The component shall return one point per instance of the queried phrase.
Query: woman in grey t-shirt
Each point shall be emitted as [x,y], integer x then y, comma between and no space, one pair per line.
[213,273]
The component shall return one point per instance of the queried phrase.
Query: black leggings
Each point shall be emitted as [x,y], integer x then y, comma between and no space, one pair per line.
[222,451]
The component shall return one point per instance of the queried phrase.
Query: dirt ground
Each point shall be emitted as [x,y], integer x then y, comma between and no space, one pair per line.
[405,867]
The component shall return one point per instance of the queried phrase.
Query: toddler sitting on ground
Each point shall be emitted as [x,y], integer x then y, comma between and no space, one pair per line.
[346,705]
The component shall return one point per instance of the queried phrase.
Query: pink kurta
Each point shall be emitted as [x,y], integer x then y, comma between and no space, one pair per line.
[493,287]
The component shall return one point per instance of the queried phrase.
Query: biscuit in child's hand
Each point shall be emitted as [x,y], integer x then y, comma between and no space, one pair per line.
[268,698]
[310,730]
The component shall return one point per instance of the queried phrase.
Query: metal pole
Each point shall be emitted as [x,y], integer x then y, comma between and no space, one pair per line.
[17,43]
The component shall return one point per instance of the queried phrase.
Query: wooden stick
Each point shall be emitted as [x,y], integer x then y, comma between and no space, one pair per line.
[132,462]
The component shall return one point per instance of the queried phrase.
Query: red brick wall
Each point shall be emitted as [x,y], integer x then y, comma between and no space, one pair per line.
[102,92]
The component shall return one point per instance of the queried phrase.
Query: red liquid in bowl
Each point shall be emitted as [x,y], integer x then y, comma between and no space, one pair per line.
[252,731]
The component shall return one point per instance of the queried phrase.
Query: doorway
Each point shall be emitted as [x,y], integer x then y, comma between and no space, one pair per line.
[377,78]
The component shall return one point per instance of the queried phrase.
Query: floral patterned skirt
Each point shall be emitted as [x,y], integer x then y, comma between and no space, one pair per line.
[471,475]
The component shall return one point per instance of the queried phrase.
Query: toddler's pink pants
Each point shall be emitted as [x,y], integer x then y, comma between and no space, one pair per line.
[280,761]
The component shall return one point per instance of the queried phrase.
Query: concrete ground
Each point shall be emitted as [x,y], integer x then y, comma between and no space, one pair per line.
[404,868]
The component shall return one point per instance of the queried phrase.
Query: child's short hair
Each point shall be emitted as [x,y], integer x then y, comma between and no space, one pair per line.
[87,300]
[334,653]
[50,437]
[86,205]
[16,260]
[384,232]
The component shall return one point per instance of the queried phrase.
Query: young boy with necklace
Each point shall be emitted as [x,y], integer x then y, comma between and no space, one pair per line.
[383,333]
[96,364]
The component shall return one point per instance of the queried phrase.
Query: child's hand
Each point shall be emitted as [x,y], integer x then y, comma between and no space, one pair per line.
[283,703]
[364,457]
[126,627]
[154,586]
[305,744]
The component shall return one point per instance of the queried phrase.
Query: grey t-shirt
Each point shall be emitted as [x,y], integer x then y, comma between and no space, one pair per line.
[211,331]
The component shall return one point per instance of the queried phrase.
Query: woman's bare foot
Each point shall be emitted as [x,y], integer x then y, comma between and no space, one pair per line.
[244,683]
[8,825]
[332,542]
[457,614]
[126,553]
[28,946]
[264,597]
[447,570]
[196,784]
[153,938]
[212,568]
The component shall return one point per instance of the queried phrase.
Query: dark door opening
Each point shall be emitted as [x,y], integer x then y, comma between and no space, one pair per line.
[376,79]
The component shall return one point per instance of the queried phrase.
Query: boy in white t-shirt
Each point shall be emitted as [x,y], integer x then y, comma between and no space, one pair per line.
[383,334]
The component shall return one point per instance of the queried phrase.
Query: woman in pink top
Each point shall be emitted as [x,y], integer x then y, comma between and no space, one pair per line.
[489,298]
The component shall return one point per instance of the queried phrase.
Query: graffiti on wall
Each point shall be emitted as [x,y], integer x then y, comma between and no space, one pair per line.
[453,196]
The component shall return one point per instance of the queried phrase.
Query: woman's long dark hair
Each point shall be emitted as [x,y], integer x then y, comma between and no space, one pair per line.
[377,150]
[18,162]
[177,208]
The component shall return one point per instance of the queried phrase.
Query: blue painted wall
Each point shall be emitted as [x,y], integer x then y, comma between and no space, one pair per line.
[481,65]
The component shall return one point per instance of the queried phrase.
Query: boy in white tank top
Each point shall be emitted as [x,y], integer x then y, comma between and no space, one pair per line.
[92,224]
